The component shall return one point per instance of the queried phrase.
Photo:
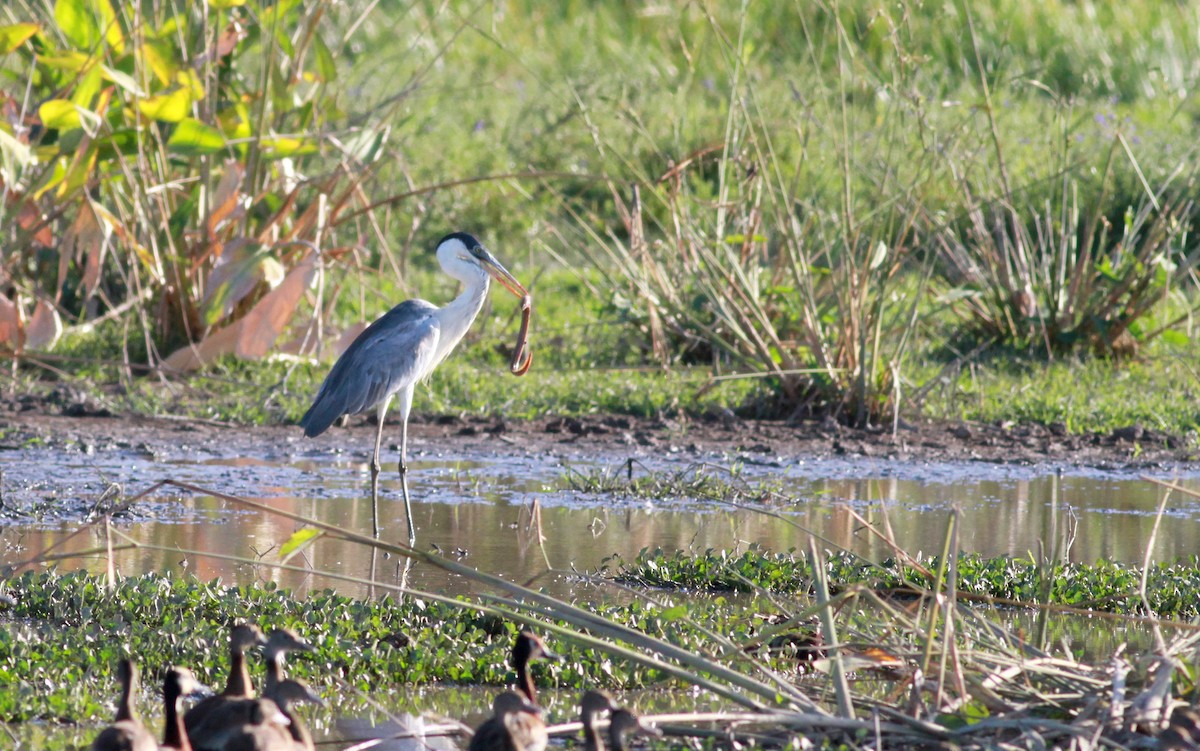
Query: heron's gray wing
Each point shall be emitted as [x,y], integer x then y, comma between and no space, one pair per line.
[390,354]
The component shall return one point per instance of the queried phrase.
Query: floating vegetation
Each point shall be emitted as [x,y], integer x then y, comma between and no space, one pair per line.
[701,481]
[1172,589]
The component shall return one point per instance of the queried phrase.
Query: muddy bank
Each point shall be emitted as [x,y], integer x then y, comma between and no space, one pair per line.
[1133,447]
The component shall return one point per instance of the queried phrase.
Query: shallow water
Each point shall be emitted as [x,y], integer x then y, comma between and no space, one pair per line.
[477,508]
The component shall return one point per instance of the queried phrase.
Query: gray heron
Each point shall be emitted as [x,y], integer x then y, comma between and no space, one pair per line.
[402,348]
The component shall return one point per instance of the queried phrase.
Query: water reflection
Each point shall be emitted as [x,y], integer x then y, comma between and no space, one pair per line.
[479,510]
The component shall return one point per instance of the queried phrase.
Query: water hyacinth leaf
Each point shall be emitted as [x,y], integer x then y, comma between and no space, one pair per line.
[192,138]
[14,35]
[171,107]
[298,541]
[674,613]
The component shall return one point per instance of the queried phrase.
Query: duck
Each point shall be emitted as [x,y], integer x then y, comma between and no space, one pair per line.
[593,704]
[529,647]
[279,644]
[267,732]
[242,636]
[226,719]
[515,725]
[127,733]
[178,682]
[622,724]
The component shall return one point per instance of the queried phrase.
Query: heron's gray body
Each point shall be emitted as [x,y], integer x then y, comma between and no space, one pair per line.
[394,353]
[390,354]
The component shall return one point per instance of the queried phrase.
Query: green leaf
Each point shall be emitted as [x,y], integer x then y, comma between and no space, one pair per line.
[78,23]
[225,4]
[1175,338]
[170,108]
[59,114]
[326,67]
[86,22]
[675,613]
[15,35]
[279,148]
[298,541]
[192,137]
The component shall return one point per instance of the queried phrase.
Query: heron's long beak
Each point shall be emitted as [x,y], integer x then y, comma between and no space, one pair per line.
[497,270]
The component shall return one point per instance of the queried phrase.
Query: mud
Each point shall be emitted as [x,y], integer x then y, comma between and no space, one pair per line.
[731,439]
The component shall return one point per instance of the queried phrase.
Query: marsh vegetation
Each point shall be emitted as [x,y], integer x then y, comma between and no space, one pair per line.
[861,214]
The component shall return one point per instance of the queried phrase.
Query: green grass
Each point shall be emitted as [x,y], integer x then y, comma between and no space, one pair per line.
[623,90]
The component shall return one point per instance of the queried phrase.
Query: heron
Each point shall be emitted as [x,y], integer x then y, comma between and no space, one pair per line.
[403,347]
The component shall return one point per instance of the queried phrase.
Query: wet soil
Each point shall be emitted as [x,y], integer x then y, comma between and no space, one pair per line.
[26,424]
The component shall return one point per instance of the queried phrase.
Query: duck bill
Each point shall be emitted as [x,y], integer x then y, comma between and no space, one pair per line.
[500,274]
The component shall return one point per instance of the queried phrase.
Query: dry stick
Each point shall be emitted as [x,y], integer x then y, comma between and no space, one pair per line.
[838,671]
[1158,637]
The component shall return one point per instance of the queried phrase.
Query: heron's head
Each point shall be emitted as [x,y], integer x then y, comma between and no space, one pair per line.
[464,258]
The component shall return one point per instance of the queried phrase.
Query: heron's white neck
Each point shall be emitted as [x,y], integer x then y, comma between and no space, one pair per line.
[457,316]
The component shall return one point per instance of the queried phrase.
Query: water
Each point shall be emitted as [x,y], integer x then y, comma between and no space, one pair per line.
[477,506]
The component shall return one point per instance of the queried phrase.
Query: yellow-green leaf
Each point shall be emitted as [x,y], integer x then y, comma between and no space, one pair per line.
[15,35]
[59,114]
[192,137]
[78,23]
[86,22]
[172,107]
[73,61]
[278,148]
[161,59]
[225,4]
[298,541]
[87,87]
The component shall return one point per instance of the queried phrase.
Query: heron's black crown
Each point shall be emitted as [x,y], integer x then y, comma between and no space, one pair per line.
[466,238]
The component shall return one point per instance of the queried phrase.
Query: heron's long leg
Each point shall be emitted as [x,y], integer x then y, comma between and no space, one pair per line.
[412,530]
[406,397]
[375,471]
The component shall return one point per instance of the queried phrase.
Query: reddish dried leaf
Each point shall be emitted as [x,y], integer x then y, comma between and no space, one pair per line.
[268,318]
[227,204]
[29,218]
[44,327]
[227,42]
[11,333]
[347,338]
[220,342]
